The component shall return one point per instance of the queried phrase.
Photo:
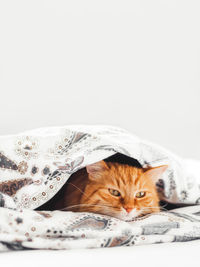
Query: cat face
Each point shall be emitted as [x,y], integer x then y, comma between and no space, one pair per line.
[120,190]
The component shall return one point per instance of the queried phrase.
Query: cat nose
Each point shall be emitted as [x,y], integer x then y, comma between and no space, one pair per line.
[128,209]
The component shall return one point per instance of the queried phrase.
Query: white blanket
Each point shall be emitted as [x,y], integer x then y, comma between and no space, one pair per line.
[34,165]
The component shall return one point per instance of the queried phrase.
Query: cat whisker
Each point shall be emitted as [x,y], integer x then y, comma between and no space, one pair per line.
[163,205]
[157,207]
[80,205]
[143,208]
[150,208]
[82,190]
[78,189]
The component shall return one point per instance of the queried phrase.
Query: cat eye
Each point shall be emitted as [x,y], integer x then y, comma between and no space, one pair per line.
[114,192]
[140,194]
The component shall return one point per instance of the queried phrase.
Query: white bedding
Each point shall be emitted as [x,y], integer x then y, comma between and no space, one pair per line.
[35,164]
[157,255]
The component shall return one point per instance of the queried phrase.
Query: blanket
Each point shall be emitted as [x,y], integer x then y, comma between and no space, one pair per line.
[34,165]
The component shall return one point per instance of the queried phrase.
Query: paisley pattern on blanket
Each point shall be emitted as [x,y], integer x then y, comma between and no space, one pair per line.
[34,166]
[29,229]
[89,222]
[11,187]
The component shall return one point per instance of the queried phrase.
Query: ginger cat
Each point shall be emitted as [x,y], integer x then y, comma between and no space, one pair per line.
[113,189]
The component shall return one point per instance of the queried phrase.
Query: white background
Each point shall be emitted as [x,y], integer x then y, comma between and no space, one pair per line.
[133,64]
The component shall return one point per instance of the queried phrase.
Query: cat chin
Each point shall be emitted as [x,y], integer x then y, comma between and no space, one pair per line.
[129,216]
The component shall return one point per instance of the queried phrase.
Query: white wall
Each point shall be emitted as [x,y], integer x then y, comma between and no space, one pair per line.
[134,64]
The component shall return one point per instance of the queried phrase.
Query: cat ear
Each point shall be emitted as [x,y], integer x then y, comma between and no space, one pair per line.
[155,173]
[96,168]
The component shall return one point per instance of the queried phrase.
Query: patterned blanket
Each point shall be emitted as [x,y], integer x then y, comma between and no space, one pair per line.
[34,165]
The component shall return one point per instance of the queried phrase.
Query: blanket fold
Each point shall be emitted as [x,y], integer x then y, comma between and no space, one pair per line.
[34,165]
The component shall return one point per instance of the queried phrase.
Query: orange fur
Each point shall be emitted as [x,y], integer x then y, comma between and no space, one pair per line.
[88,190]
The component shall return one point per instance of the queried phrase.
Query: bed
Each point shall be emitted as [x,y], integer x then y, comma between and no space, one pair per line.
[34,166]
[169,254]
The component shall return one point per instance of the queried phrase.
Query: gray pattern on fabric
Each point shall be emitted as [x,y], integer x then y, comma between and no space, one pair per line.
[34,166]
